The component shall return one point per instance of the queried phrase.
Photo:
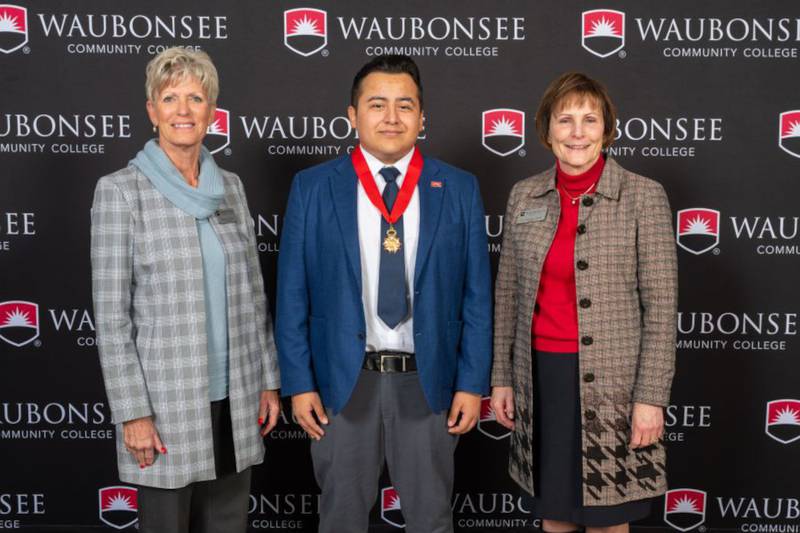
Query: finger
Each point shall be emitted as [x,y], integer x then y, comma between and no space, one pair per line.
[149,456]
[263,406]
[636,438]
[504,421]
[320,412]
[502,417]
[139,455]
[310,425]
[158,444]
[452,416]
[462,427]
[273,411]
[135,455]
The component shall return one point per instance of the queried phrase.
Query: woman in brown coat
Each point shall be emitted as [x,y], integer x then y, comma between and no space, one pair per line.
[586,303]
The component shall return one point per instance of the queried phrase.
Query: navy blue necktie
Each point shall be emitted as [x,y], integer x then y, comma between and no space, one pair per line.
[392,288]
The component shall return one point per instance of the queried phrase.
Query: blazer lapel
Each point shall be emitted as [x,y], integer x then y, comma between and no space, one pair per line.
[344,190]
[430,209]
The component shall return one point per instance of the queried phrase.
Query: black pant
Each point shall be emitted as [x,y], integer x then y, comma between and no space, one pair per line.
[214,506]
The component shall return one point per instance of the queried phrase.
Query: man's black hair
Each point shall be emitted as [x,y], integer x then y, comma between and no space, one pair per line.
[389,64]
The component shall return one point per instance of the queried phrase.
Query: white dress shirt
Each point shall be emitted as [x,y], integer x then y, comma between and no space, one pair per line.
[370,240]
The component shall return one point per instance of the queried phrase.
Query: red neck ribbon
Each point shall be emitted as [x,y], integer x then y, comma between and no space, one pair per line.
[371,188]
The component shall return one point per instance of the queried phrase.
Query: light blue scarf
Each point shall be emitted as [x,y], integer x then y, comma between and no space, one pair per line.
[162,173]
[201,204]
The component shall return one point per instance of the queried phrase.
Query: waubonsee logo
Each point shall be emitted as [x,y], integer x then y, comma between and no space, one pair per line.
[305,30]
[390,508]
[603,31]
[685,509]
[218,133]
[19,322]
[118,506]
[789,132]
[783,420]
[503,130]
[698,229]
[13,28]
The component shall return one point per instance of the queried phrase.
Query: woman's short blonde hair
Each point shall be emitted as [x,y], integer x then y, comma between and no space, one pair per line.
[174,65]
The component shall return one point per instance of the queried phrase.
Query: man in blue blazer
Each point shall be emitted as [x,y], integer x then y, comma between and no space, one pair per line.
[384,310]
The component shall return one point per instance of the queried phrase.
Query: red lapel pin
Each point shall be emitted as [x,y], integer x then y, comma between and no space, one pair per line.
[437,184]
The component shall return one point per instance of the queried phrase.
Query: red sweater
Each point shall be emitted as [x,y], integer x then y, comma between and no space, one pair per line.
[555,315]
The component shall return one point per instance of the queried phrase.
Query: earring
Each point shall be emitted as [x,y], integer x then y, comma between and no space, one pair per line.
[155,129]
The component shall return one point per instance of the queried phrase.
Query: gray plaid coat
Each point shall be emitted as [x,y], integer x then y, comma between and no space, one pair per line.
[147,285]
[626,323]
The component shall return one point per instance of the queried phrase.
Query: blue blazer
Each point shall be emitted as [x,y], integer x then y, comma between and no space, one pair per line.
[320,329]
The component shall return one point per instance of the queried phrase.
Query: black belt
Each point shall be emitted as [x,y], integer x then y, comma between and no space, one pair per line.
[390,361]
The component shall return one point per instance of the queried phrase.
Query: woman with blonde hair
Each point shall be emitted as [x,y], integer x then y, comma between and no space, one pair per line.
[184,335]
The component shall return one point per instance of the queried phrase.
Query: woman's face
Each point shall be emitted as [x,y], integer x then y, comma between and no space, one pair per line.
[576,134]
[182,113]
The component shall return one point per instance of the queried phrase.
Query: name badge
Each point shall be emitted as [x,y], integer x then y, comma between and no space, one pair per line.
[532,215]
[226,216]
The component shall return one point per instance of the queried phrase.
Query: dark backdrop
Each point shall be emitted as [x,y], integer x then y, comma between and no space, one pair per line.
[701,89]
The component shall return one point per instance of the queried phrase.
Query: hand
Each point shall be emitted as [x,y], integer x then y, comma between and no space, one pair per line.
[269,407]
[647,425]
[142,440]
[503,405]
[304,407]
[468,405]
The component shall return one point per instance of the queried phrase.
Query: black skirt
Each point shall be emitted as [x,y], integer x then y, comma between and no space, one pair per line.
[557,454]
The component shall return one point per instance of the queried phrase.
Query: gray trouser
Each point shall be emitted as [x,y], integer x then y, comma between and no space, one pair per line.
[215,506]
[387,417]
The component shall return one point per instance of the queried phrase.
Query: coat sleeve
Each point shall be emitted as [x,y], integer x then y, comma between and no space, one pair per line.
[505,303]
[475,357]
[112,267]
[291,324]
[658,296]
[271,377]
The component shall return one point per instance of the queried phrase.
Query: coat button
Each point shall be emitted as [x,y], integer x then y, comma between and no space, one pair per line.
[581,229]
[361,336]
[588,377]
[586,340]
[587,201]
[585,303]
[589,414]
[582,265]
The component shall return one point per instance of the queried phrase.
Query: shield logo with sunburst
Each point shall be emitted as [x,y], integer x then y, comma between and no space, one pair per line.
[783,420]
[305,30]
[13,28]
[789,132]
[218,132]
[487,422]
[685,509]
[603,31]
[503,131]
[698,229]
[391,512]
[19,322]
[119,506]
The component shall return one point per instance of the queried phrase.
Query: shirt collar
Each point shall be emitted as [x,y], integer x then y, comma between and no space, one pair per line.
[375,165]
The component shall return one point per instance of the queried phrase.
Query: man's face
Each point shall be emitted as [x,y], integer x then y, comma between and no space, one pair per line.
[388,117]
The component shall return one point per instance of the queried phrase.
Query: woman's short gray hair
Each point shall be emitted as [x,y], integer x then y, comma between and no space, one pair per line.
[174,65]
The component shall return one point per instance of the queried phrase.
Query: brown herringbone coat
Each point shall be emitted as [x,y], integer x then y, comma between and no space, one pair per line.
[626,323]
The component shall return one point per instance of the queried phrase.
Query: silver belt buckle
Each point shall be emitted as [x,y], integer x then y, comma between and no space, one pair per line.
[386,356]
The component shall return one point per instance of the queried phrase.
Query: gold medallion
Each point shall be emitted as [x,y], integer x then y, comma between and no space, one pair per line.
[391,243]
